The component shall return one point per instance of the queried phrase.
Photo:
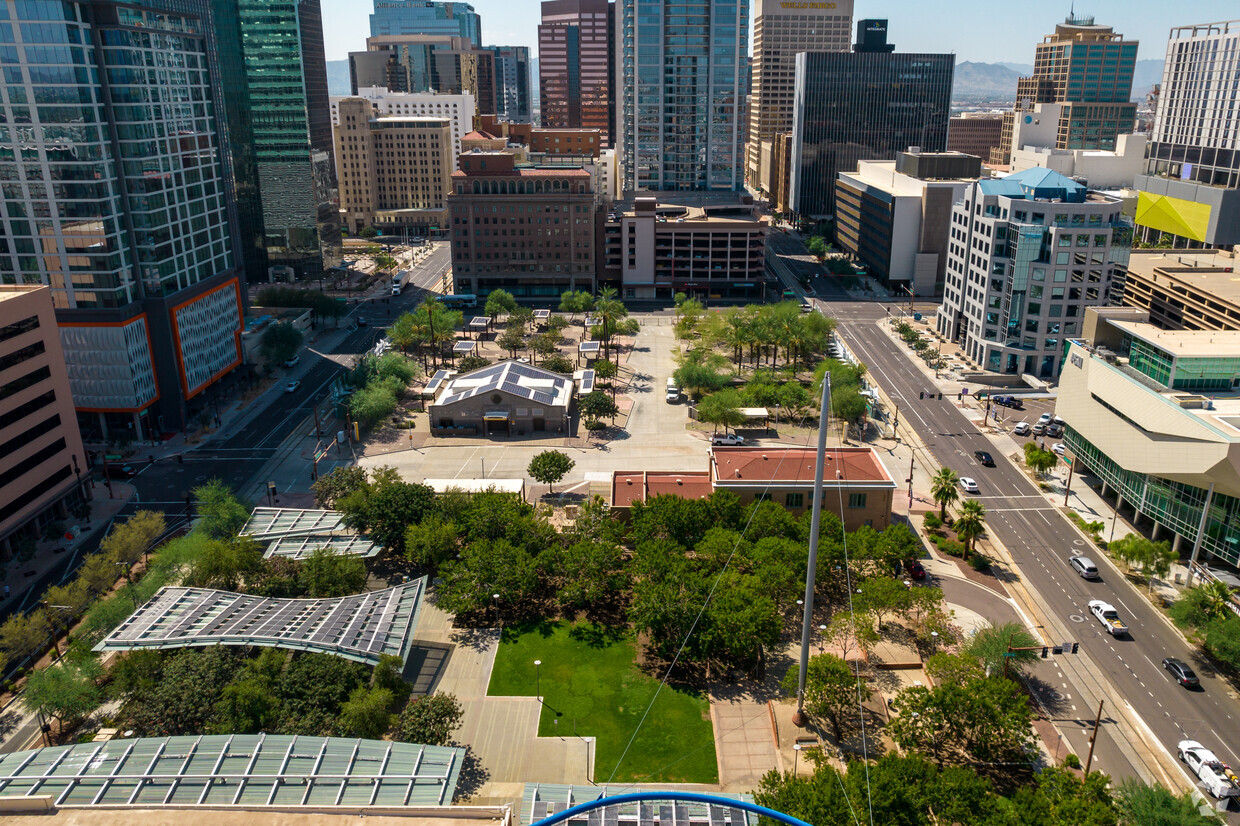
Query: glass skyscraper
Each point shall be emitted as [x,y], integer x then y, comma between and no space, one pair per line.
[113,193]
[862,105]
[426,17]
[281,53]
[682,89]
[512,83]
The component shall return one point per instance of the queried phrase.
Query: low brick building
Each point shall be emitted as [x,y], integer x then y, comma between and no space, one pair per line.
[856,485]
[504,399]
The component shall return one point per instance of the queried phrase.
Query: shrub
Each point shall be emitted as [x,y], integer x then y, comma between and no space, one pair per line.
[1071,761]
[980,562]
[952,548]
[932,520]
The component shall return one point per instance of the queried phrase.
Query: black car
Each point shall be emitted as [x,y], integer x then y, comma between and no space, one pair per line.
[985,458]
[1183,675]
[115,471]
[1054,430]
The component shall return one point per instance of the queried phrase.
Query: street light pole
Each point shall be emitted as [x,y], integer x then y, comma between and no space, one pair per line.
[538,680]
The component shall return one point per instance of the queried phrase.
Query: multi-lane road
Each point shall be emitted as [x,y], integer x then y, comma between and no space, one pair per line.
[1040,539]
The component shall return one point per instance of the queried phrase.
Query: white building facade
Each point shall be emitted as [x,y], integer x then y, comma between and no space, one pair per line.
[459,109]
[1026,255]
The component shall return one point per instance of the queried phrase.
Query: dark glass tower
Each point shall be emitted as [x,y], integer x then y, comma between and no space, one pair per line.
[512,83]
[425,17]
[863,105]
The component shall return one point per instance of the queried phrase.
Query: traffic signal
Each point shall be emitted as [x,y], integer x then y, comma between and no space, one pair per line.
[940,397]
[1076,646]
[1058,649]
[1045,651]
[921,394]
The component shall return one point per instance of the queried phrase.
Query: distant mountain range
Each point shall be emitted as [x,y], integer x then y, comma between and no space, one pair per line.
[975,82]
[995,82]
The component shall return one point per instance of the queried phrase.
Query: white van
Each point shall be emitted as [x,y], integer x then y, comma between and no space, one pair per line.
[673,392]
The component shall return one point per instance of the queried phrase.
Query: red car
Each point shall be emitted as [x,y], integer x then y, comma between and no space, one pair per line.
[914,569]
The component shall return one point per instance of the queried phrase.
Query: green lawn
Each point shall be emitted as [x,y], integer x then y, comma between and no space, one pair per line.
[589,681]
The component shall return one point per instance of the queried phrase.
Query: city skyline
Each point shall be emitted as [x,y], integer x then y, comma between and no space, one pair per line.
[972,34]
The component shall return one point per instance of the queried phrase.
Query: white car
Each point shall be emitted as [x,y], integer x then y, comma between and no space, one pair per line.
[293,361]
[1058,449]
[1106,614]
[292,386]
[1045,419]
[727,439]
[968,485]
[1022,429]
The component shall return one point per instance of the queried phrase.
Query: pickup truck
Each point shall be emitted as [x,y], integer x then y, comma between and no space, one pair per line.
[1106,614]
[1212,772]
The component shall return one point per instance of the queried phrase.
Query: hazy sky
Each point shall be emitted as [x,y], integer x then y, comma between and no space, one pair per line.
[988,31]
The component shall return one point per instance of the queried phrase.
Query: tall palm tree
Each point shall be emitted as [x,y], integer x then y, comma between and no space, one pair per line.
[943,487]
[609,309]
[970,522]
[1216,597]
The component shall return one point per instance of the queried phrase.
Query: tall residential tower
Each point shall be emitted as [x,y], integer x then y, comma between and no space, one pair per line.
[682,86]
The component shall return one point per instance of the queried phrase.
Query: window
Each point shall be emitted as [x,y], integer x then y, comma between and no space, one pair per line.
[795,500]
[856,500]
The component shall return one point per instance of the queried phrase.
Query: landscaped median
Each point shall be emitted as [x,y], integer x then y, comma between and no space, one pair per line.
[591,687]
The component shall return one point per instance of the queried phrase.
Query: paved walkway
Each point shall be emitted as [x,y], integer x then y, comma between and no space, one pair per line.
[502,732]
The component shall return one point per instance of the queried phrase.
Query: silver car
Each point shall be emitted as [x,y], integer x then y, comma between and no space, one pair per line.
[1084,566]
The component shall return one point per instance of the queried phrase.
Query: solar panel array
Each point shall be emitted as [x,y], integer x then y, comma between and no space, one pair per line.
[542,800]
[464,346]
[244,770]
[587,381]
[589,347]
[542,315]
[361,627]
[300,547]
[432,386]
[505,376]
[269,523]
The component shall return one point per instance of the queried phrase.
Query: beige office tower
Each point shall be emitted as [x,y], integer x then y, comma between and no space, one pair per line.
[781,29]
[393,172]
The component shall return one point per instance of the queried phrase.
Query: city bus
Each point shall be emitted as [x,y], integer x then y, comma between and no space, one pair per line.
[461,301]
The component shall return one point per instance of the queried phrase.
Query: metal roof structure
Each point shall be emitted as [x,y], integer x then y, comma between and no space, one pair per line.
[464,346]
[589,347]
[270,523]
[300,547]
[542,315]
[522,380]
[243,770]
[361,627]
[586,383]
[480,322]
[543,799]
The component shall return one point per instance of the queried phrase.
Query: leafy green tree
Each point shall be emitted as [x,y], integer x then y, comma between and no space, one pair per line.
[592,573]
[984,720]
[544,344]
[220,514]
[944,489]
[596,406]
[372,404]
[249,704]
[433,541]
[1155,558]
[549,467]
[817,247]
[989,646]
[847,631]
[1156,805]
[953,668]
[664,516]
[882,597]
[1222,639]
[128,541]
[487,567]
[386,509]
[327,574]
[832,692]
[574,302]
[72,594]
[394,366]
[184,692]
[741,620]
[512,339]
[313,689]
[970,522]
[226,563]
[280,342]
[499,302]
[1039,461]
[721,409]
[430,720]
[368,233]
[696,379]
[366,714]
[388,676]
[560,363]
[339,483]
[66,690]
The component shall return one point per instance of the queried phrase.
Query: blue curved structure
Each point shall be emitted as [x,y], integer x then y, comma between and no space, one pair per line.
[688,797]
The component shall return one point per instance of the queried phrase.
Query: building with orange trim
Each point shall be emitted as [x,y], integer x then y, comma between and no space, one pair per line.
[128,215]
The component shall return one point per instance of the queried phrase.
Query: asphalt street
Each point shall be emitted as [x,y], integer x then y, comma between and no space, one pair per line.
[1040,540]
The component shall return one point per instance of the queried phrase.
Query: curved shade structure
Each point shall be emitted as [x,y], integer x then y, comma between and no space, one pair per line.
[581,812]
[362,627]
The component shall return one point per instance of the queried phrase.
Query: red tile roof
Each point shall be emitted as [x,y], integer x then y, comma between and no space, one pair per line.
[628,487]
[852,466]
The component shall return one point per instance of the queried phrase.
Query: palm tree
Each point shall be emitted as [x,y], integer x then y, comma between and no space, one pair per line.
[609,309]
[1216,596]
[943,487]
[969,522]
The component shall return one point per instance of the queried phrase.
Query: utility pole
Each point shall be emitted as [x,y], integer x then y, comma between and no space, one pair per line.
[1067,487]
[1093,738]
[800,718]
[910,482]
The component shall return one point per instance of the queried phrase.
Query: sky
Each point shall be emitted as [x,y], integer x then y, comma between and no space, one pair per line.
[986,31]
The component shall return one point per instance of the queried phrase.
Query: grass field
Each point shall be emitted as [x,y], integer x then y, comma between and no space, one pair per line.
[591,685]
